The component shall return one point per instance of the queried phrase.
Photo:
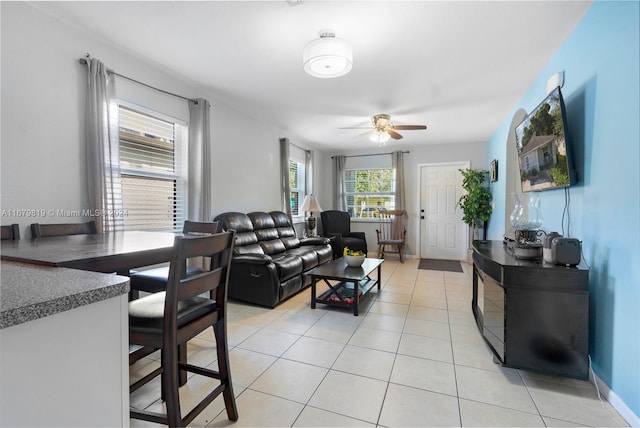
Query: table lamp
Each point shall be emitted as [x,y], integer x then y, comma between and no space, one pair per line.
[310,205]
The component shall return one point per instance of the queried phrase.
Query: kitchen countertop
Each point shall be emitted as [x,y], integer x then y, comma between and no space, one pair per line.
[29,292]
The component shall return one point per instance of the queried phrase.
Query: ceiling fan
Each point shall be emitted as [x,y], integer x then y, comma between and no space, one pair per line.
[383,128]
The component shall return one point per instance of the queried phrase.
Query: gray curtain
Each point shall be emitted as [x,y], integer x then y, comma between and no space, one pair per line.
[199,161]
[285,188]
[339,196]
[308,172]
[397,163]
[102,134]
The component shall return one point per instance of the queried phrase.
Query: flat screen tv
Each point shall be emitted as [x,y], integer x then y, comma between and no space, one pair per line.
[544,147]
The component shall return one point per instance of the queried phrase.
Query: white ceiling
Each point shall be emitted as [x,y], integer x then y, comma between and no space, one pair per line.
[457,66]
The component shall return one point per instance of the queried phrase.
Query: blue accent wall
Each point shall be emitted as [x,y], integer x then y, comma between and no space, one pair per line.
[600,60]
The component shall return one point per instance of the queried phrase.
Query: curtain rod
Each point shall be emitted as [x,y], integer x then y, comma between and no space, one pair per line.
[294,145]
[372,154]
[84,61]
[301,148]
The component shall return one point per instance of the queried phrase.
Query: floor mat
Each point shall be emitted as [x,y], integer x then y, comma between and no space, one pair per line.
[447,265]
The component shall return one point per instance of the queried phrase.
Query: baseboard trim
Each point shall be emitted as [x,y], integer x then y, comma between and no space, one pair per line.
[627,414]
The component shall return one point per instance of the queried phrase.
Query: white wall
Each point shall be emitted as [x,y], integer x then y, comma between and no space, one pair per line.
[42,146]
[432,153]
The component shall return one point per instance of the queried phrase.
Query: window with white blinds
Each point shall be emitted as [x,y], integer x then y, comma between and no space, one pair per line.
[296,183]
[368,190]
[152,163]
[296,180]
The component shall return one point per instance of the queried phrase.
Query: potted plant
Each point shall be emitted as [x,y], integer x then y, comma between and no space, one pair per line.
[476,204]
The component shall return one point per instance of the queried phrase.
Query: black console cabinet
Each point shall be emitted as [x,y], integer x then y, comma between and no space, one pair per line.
[533,315]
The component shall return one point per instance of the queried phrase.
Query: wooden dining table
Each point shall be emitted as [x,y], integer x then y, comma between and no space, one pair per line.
[117,252]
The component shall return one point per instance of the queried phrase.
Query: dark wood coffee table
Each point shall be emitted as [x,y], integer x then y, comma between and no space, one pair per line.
[354,283]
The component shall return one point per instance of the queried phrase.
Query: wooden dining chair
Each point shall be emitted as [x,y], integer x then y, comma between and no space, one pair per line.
[10,232]
[155,280]
[392,232]
[170,318]
[39,230]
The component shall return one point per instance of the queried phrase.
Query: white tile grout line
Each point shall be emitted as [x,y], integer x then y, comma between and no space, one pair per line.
[364,314]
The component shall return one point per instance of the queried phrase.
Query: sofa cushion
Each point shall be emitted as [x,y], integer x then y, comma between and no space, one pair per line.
[288,265]
[266,232]
[242,250]
[273,246]
[324,252]
[321,246]
[261,220]
[263,226]
[285,229]
[307,255]
[246,241]
[290,287]
[240,222]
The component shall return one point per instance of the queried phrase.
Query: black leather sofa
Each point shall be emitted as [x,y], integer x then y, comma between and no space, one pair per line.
[269,261]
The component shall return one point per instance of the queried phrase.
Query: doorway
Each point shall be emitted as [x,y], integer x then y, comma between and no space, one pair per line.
[443,235]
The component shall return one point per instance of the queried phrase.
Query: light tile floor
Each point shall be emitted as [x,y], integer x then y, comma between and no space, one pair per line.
[414,357]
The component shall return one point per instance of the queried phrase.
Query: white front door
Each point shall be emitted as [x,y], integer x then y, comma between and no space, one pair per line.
[443,235]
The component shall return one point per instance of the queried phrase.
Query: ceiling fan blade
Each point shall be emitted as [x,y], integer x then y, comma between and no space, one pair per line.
[408,127]
[394,134]
[363,134]
[356,127]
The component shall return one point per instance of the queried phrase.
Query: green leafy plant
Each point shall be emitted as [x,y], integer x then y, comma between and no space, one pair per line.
[476,204]
[559,176]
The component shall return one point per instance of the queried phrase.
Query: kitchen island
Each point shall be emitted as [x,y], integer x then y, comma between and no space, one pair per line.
[63,347]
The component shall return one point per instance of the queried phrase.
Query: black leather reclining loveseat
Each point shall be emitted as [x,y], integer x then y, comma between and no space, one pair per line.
[269,261]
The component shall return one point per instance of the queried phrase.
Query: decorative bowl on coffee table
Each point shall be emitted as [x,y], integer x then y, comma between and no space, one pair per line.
[354,261]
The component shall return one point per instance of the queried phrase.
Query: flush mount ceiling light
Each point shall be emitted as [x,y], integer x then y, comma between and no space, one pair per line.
[327,56]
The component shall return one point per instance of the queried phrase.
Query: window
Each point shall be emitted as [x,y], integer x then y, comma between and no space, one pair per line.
[296,182]
[297,179]
[368,190]
[152,163]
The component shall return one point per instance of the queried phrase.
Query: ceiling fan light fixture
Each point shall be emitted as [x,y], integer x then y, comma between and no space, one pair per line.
[381,121]
[327,57]
[379,137]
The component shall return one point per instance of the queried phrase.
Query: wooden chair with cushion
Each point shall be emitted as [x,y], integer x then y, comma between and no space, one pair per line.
[155,280]
[392,232]
[39,230]
[10,233]
[168,319]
